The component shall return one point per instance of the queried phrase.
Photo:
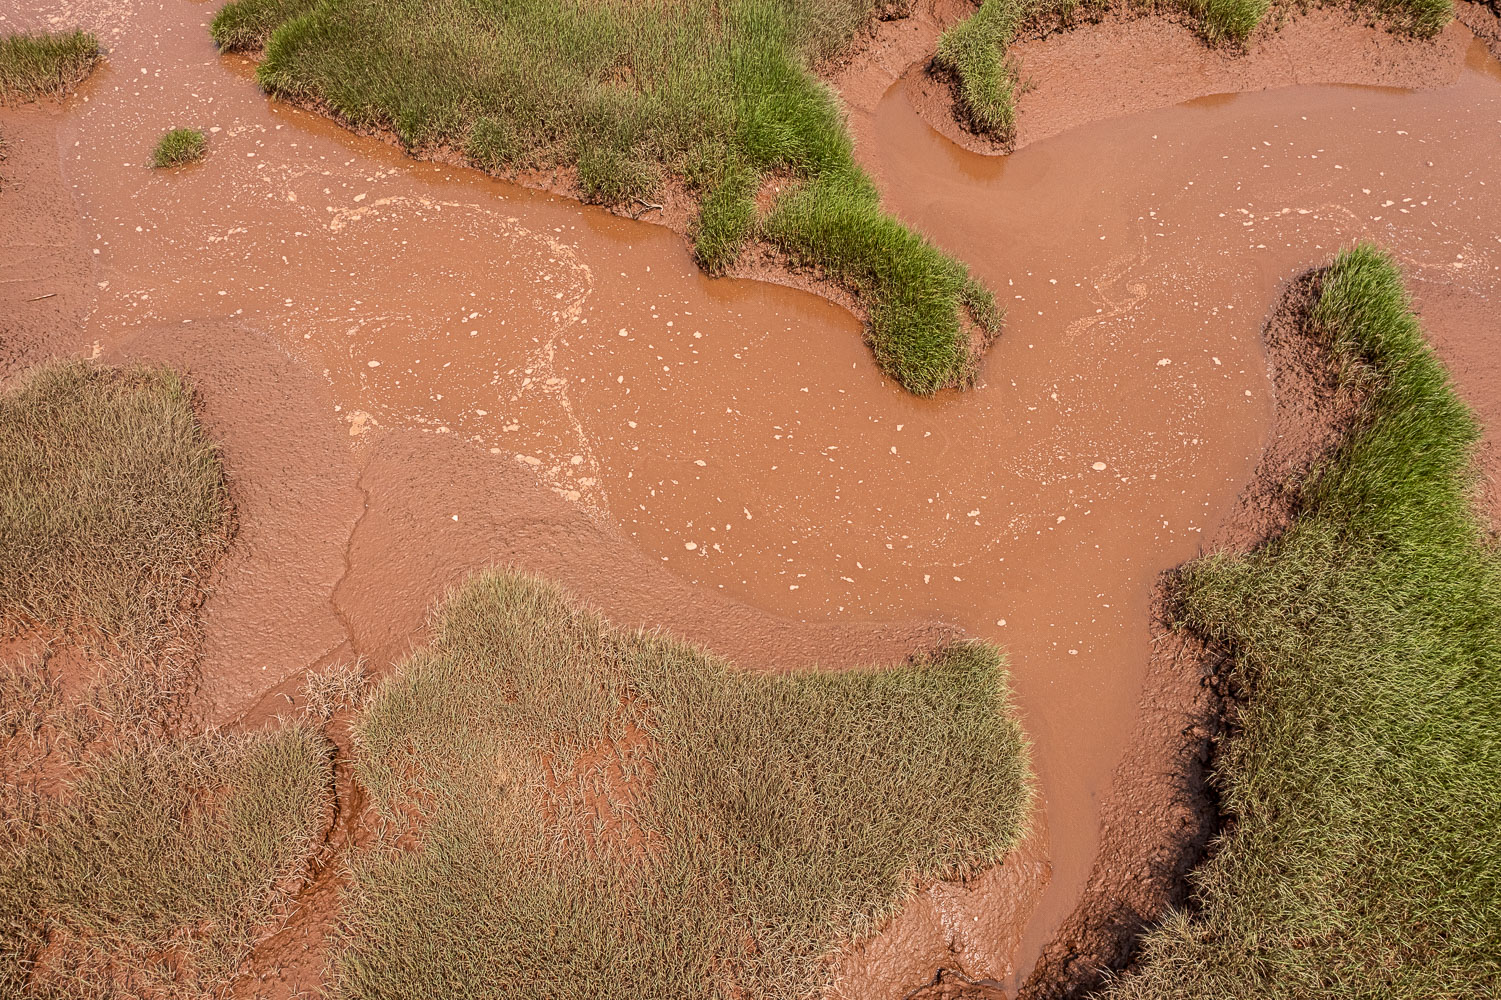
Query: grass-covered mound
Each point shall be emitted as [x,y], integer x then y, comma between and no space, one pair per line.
[573,811]
[1364,783]
[137,856]
[985,78]
[718,93]
[168,856]
[113,502]
[179,146]
[44,65]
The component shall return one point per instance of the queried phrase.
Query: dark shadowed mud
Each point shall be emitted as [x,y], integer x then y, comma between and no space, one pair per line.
[418,371]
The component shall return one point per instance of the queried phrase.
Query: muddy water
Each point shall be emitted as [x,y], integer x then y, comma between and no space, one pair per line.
[1139,256]
[737,431]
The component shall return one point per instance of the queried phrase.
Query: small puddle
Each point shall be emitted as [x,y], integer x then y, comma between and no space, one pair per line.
[738,431]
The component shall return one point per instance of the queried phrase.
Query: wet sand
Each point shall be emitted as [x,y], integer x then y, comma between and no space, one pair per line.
[421,371]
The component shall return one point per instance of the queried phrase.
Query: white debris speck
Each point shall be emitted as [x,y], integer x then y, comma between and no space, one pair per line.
[372,364]
[1164,361]
[1098,467]
[1001,622]
[690,546]
[699,462]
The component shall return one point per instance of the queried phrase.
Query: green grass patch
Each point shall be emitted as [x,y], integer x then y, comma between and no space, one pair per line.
[45,65]
[986,83]
[720,93]
[113,502]
[985,77]
[181,145]
[1364,859]
[169,855]
[574,811]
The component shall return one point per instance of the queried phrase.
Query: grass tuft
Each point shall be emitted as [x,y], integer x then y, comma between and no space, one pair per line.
[45,65]
[577,812]
[179,146]
[113,502]
[1423,18]
[1365,855]
[167,858]
[986,84]
[720,93]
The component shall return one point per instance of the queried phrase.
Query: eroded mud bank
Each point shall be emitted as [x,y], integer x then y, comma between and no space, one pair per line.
[419,371]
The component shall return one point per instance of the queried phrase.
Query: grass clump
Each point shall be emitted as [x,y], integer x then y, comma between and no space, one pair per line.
[573,811]
[45,65]
[718,93]
[1423,18]
[168,856]
[986,84]
[113,502]
[1365,855]
[179,146]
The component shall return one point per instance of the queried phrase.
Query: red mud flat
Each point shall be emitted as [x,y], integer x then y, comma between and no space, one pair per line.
[1127,64]
[418,370]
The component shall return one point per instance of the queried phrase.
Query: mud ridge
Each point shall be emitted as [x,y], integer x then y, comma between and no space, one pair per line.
[1125,59]
[1164,815]
[1484,19]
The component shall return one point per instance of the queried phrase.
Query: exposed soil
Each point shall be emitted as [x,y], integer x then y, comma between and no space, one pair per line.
[418,371]
[1484,20]
[45,294]
[1132,59]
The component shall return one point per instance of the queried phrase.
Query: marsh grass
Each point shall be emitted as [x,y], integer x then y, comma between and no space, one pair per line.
[720,93]
[135,860]
[113,503]
[1364,858]
[45,65]
[569,811]
[165,858]
[985,77]
[179,146]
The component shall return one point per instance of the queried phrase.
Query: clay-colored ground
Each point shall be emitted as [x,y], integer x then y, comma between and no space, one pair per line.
[364,492]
